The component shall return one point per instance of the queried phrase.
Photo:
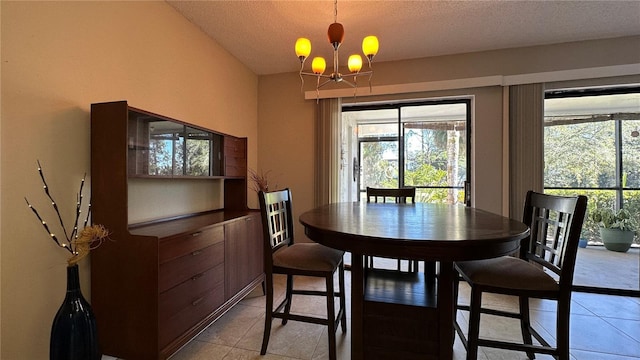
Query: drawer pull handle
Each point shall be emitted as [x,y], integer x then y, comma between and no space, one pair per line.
[197,252]
[196,277]
[196,233]
[248,219]
[197,301]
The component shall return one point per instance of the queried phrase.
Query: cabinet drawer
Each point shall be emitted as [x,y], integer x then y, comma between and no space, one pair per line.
[183,320]
[183,268]
[187,293]
[174,248]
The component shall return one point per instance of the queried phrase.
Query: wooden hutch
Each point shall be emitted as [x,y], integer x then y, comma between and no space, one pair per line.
[159,282]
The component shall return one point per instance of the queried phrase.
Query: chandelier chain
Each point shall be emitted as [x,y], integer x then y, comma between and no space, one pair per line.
[335,11]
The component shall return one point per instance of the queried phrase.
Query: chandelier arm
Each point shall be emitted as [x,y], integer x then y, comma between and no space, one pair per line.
[323,83]
[349,83]
[315,75]
[318,89]
[369,58]
[361,73]
[355,88]
[301,77]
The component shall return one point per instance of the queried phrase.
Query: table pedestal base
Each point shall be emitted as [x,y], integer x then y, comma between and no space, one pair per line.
[401,315]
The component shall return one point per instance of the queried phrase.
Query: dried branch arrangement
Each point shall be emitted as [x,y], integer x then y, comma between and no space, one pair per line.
[260,180]
[78,243]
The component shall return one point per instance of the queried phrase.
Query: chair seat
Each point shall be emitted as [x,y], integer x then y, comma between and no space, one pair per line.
[308,256]
[507,272]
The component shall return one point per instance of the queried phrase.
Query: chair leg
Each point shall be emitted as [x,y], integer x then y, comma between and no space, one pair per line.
[289,298]
[474,324]
[525,324]
[430,272]
[456,284]
[562,328]
[331,317]
[343,303]
[268,316]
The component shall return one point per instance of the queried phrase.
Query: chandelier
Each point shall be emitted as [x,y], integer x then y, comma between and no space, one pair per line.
[318,65]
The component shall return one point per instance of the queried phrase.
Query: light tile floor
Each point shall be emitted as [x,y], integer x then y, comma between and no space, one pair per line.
[602,328]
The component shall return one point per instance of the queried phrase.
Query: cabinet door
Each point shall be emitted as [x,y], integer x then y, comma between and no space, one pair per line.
[243,253]
[235,156]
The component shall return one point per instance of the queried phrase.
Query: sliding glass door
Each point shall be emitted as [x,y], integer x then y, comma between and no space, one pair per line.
[423,145]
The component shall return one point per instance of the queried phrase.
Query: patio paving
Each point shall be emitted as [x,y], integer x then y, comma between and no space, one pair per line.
[599,267]
[595,266]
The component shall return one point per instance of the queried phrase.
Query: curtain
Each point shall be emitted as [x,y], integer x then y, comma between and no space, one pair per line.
[526,147]
[327,152]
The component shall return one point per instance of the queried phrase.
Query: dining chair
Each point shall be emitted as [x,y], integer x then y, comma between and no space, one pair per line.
[543,270]
[398,196]
[284,256]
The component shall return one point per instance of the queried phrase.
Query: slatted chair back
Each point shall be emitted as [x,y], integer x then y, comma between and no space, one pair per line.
[399,195]
[555,224]
[279,225]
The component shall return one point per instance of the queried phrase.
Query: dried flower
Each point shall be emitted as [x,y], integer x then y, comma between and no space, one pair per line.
[260,180]
[77,243]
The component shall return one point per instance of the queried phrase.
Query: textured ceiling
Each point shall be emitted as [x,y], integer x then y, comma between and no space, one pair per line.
[261,34]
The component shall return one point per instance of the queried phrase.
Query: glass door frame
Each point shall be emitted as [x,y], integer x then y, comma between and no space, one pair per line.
[400,138]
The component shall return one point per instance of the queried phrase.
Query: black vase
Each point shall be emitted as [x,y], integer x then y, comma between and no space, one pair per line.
[74,335]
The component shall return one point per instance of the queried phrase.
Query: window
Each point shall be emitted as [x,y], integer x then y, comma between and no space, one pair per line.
[422,144]
[592,147]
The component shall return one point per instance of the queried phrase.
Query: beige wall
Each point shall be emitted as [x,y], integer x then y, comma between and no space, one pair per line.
[286,138]
[57,59]
[527,60]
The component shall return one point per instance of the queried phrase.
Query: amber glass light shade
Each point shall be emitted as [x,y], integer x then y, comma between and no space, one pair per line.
[318,65]
[303,48]
[370,46]
[335,34]
[355,63]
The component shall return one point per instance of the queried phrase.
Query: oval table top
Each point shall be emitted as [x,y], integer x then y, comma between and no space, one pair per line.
[414,231]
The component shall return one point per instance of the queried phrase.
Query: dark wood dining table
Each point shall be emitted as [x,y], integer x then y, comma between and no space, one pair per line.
[402,315]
